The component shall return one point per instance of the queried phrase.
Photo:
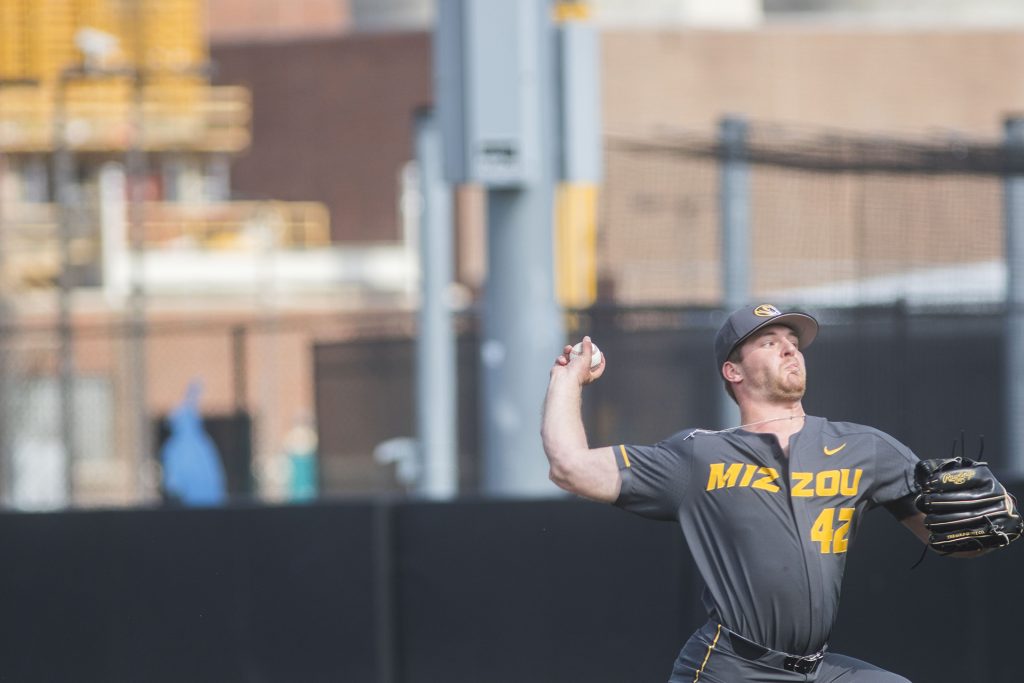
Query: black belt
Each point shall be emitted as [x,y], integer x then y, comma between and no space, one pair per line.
[748,649]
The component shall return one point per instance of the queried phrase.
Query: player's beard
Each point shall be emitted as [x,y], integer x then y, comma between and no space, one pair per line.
[788,385]
[784,385]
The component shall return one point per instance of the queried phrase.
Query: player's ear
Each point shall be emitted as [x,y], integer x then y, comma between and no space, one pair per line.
[731,371]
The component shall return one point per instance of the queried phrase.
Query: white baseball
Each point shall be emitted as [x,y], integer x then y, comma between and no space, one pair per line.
[595,359]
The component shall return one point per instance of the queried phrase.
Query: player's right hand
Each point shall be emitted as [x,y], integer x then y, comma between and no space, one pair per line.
[579,367]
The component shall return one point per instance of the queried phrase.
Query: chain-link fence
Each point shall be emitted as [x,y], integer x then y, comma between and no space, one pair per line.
[845,224]
[835,218]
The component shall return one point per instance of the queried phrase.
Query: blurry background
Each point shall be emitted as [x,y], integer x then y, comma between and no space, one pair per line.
[225,192]
[211,293]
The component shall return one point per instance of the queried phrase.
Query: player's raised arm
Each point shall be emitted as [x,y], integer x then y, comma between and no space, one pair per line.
[575,467]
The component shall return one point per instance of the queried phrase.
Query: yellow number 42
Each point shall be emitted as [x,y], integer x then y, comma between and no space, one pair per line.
[833,539]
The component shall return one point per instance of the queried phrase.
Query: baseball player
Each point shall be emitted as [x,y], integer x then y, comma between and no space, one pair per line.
[768,508]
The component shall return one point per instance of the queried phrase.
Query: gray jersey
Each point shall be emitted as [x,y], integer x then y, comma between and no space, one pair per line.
[769,534]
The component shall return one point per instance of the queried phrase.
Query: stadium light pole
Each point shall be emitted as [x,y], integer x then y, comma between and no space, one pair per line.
[68,214]
[95,48]
[65,195]
[135,172]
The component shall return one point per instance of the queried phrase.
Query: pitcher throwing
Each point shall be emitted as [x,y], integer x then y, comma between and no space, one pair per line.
[768,508]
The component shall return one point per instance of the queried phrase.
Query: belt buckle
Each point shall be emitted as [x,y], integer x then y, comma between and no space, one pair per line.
[804,665]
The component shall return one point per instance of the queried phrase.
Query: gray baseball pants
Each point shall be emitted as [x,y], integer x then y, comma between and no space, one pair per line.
[716,655]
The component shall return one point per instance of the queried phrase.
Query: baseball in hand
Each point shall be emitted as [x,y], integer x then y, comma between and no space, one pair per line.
[595,359]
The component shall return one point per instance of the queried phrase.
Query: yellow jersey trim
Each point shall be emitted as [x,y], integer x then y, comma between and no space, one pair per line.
[625,457]
[708,655]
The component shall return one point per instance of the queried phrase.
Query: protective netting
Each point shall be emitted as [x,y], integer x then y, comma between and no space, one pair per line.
[836,218]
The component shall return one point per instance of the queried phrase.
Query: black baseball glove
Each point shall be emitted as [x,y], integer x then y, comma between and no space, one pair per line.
[966,507]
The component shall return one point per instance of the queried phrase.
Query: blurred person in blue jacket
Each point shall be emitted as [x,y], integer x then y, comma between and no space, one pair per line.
[193,472]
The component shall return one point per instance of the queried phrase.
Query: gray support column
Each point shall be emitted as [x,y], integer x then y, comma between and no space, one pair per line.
[523,329]
[735,213]
[522,334]
[435,345]
[494,87]
[1013,192]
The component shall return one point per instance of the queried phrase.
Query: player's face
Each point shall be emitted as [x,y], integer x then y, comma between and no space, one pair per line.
[773,366]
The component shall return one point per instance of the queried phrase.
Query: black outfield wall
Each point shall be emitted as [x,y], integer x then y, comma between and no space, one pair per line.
[464,592]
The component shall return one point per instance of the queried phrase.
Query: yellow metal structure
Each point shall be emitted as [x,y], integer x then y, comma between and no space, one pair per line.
[576,244]
[84,56]
[99,117]
[32,245]
[575,214]
[40,38]
[100,79]
[571,10]
[170,225]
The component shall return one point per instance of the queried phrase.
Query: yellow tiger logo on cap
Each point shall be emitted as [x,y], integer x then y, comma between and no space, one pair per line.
[766,311]
[957,478]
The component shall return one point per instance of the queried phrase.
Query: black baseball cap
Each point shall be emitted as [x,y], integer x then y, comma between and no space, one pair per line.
[746,321]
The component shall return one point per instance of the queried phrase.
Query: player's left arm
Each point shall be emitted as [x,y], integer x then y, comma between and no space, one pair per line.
[915,523]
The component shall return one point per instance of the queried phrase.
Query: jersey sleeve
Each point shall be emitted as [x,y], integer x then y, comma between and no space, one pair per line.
[654,478]
[894,486]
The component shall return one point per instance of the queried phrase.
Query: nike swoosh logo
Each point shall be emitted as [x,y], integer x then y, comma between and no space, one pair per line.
[833,451]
